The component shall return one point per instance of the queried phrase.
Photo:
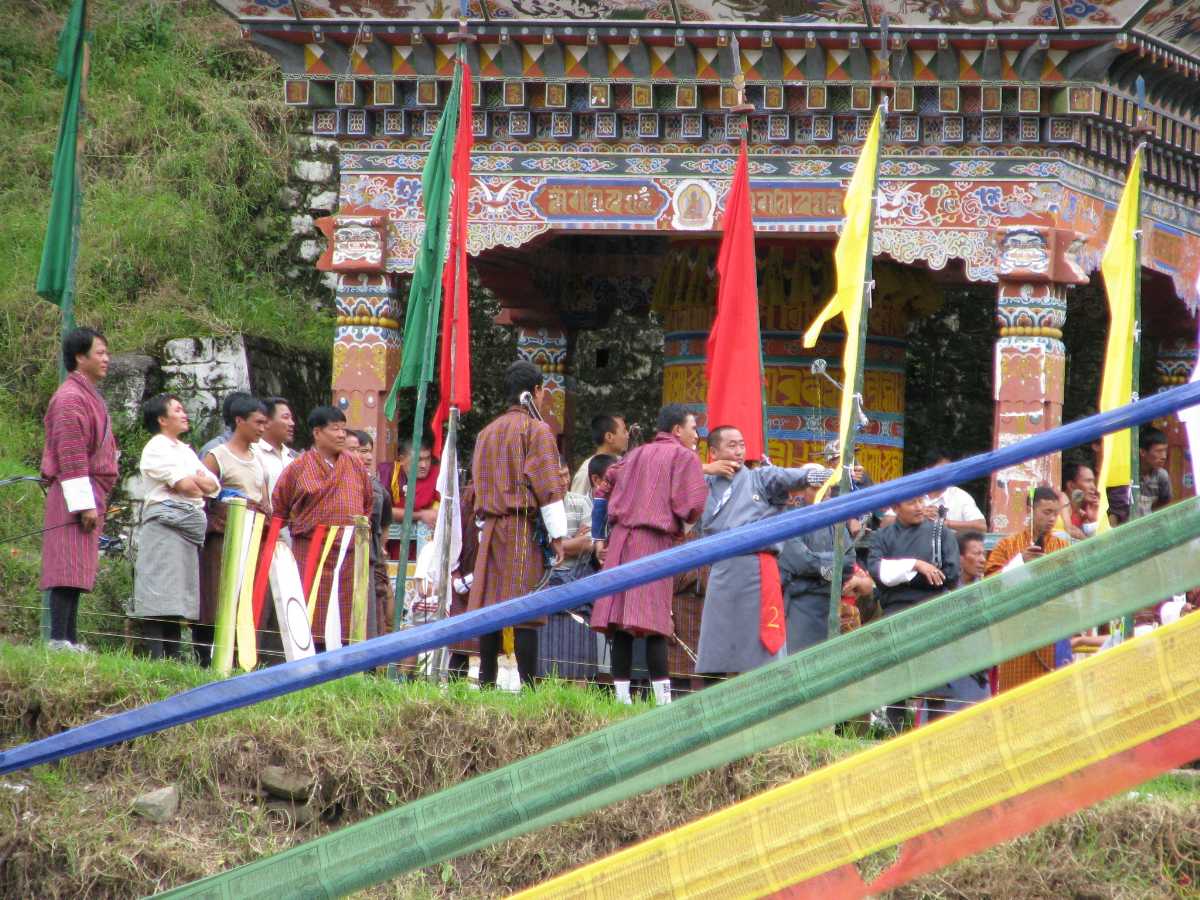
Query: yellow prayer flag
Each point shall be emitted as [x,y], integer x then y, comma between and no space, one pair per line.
[1121,268]
[851,257]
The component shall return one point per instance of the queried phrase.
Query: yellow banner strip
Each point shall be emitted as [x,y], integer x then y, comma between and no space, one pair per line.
[1025,738]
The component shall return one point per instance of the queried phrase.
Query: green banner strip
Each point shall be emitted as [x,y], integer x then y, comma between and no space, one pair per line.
[944,638]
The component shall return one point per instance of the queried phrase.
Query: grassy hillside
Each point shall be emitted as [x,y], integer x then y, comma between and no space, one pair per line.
[185,150]
[370,744]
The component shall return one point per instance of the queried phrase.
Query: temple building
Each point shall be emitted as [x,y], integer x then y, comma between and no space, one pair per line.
[604,149]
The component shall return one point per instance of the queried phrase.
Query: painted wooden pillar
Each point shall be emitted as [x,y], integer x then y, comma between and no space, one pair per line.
[366,355]
[1034,271]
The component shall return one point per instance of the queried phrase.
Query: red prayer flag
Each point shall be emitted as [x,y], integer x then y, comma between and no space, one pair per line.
[315,543]
[454,386]
[735,378]
[263,572]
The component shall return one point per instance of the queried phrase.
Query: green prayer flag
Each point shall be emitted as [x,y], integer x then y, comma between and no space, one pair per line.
[425,292]
[56,275]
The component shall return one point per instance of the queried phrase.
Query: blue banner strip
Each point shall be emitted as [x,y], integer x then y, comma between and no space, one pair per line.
[254,687]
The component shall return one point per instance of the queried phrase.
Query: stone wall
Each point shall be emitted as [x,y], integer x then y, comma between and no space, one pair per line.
[310,193]
[202,371]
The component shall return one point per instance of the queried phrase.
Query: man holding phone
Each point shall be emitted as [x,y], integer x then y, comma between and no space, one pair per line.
[1031,543]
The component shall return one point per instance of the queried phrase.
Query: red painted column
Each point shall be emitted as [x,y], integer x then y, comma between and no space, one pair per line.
[1030,360]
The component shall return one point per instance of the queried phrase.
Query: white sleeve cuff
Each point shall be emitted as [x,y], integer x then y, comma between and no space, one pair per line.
[78,494]
[897,571]
[555,516]
[1015,563]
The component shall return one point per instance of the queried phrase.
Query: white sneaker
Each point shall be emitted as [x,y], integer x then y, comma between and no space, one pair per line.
[79,648]
[60,645]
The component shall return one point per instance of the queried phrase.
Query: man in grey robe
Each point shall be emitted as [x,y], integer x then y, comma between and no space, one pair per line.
[806,564]
[730,632]
[913,559]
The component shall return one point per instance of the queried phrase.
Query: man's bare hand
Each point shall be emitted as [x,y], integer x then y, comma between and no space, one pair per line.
[726,468]
[1032,552]
[557,546]
[89,519]
[930,513]
[930,572]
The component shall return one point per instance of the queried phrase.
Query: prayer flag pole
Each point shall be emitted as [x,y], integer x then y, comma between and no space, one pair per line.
[455,338]
[1121,266]
[1135,375]
[421,314]
[60,251]
[852,300]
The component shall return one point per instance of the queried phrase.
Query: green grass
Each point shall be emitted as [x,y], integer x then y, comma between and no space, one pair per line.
[185,150]
[372,744]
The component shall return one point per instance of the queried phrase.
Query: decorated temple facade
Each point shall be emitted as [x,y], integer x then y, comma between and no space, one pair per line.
[604,148]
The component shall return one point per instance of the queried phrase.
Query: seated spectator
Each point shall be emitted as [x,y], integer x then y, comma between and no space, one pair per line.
[240,472]
[1080,501]
[166,580]
[969,689]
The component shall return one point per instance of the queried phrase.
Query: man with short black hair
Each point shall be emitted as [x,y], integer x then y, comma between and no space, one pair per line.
[610,437]
[515,470]
[913,559]
[274,449]
[744,622]
[1156,482]
[227,420]
[325,487]
[426,499]
[972,557]
[79,467]
[1029,544]
[1081,506]
[644,504]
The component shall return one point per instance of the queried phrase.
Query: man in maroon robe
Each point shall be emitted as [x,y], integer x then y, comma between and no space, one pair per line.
[515,469]
[323,488]
[643,506]
[79,466]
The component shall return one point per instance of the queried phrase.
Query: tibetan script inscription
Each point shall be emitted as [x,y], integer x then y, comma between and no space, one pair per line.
[796,203]
[557,200]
